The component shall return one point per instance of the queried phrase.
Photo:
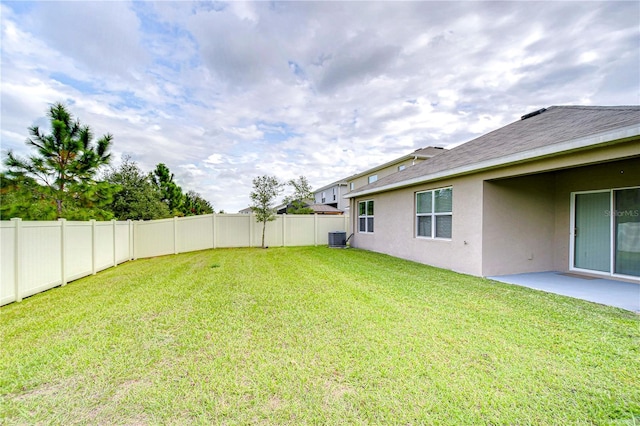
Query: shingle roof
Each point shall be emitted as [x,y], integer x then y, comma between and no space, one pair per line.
[324,209]
[422,153]
[340,182]
[555,125]
[429,151]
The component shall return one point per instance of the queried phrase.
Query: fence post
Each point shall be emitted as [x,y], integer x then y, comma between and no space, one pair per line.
[63,227]
[315,229]
[284,230]
[213,230]
[135,238]
[251,220]
[93,246]
[175,235]
[130,234]
[113,229]
[17,233]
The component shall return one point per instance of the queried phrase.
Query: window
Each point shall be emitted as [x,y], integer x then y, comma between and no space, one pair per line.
[324,199]
[401,167]
[334,194]
[352,185]
[434,213]
[373,178]
[365,216]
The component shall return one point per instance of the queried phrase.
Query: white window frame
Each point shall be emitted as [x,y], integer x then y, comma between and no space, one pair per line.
[352,186]
[373,178]
[433,214]
[612,224]
[401,167]
[366,216]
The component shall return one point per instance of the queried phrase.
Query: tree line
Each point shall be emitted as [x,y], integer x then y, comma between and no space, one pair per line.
[64,177]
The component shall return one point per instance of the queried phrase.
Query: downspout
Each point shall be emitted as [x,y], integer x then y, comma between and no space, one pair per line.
[354,220]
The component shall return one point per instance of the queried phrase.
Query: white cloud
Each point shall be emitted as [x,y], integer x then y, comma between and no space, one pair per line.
[223,92]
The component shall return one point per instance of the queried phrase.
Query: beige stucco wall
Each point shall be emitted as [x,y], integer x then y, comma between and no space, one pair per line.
[395,223]
[509,220]
[518,225]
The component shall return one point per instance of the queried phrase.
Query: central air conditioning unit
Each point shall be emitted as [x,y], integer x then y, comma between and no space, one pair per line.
[338,239]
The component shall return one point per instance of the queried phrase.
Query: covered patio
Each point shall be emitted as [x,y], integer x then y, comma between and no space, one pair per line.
[624,295]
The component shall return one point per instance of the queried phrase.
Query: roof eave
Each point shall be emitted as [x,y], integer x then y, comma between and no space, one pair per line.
[339,183]
[389,164]
[591,141]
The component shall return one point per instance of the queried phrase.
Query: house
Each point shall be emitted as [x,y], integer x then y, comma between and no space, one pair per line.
[315,207]
[333,193]
[558,190]
[325,209]
[399,164]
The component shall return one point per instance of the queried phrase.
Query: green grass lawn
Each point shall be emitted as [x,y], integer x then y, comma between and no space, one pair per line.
[312,336]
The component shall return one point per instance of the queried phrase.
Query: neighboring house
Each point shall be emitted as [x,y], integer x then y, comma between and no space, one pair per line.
[324,209]
[399,164]
[333,194]
[317,208]
[558,190]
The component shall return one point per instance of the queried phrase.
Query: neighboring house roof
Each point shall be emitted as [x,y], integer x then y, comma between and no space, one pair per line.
[546,132]
[421,153]
[340,182]
[317,208]
[324,209]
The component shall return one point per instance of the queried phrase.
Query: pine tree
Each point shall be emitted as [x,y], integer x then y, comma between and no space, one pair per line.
[64,165]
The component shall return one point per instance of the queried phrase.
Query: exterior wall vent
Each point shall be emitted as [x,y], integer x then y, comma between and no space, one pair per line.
[532,114]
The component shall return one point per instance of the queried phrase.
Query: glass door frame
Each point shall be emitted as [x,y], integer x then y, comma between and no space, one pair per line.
[612,242]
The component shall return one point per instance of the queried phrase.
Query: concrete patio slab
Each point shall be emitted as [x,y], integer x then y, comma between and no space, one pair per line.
[619,294]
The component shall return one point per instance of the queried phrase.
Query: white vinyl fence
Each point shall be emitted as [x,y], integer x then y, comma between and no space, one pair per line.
[37,256]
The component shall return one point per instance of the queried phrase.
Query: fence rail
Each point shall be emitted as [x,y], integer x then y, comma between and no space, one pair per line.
[37,256]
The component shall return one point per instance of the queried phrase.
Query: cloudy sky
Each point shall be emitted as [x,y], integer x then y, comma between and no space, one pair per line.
[224,92]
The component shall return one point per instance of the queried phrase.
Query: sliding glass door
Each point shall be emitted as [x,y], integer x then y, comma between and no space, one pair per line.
[593,231]
[627,232]
[606,235]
